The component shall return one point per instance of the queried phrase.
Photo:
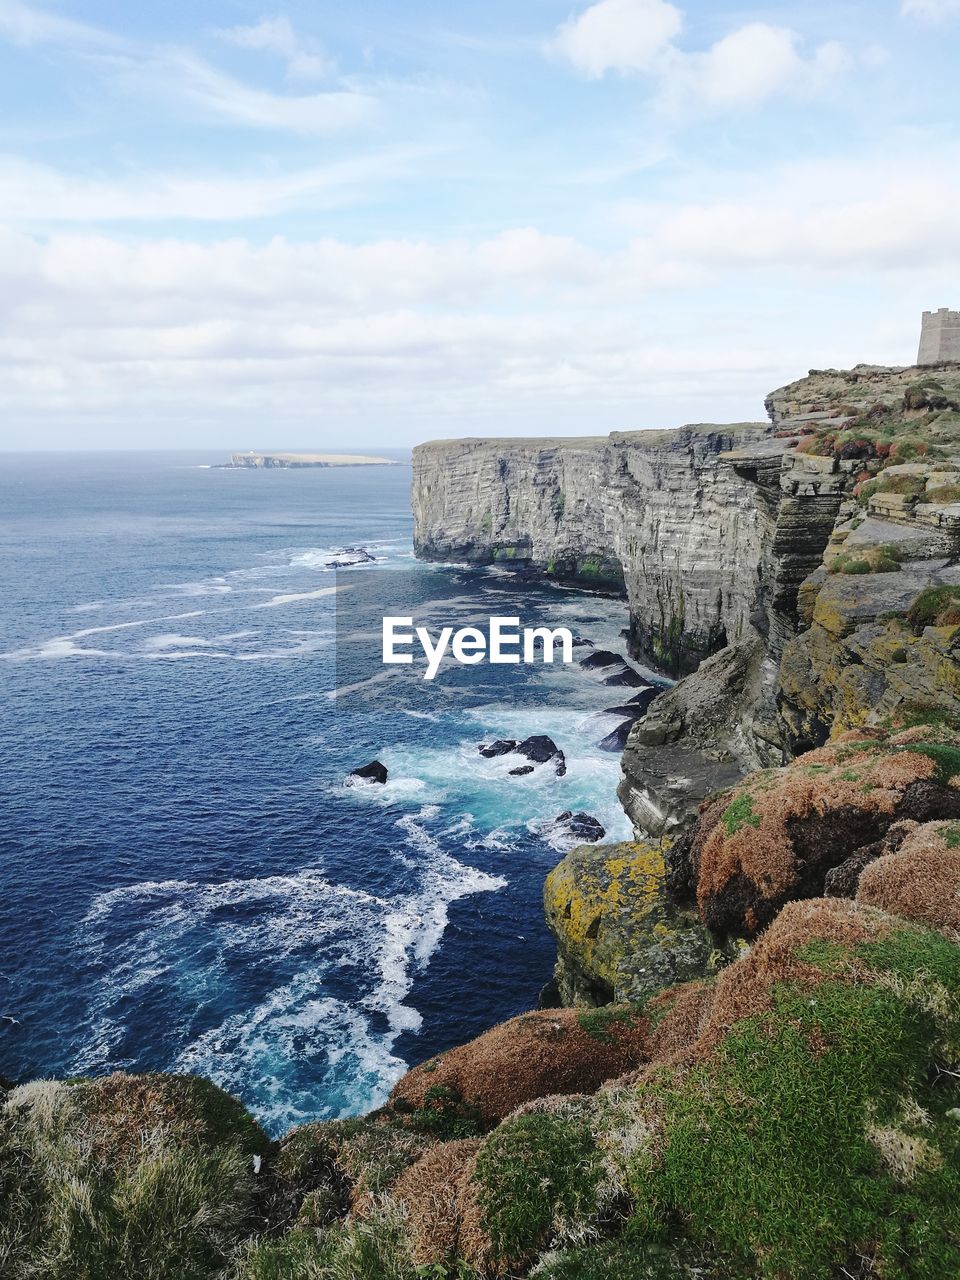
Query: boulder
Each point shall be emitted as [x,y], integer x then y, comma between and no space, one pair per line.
[920,879]
[602,658]
[636,706]
[502,747]
[521,771]
[538,748]
[372,772]
[583,826]
[626,678]
[618,936]
[616,740]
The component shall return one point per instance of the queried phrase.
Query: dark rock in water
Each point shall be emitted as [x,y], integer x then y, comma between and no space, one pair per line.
[372,772]
[538,748]
[627,677]
[348,556]
[616,740]
[580,643]
[602,658]
[636,707]
[581,825]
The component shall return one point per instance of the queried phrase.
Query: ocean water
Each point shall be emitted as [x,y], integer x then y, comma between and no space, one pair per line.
[186,881]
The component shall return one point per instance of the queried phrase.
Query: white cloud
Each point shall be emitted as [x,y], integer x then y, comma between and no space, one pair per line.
[23,25]
[513,332]
[749,65]
[305,59]
[930,10]
[32,194]
[182,77]
[618,35]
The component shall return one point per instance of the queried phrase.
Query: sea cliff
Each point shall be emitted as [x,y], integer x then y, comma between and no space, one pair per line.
[753,1066]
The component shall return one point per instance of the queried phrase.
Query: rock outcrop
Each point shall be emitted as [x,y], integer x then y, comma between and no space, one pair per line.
[618,936]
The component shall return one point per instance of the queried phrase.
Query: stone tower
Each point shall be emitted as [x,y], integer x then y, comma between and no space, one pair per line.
[939,337]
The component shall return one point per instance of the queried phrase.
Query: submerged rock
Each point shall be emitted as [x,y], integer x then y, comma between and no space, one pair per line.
[349,556]
[372,772]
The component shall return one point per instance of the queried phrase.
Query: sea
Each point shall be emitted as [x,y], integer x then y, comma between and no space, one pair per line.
[189,879]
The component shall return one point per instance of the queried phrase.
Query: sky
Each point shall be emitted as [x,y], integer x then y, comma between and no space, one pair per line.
[354,223]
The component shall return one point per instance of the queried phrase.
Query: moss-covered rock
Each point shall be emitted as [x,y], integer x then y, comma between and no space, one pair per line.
[618,935]
[878,650]
[777,836]
[324,1169]
[920,878]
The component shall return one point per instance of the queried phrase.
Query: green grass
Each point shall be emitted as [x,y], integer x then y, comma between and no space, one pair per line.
[946,758]
[370,1248]
[932,606]
[446,1114]
[766,1146]
[600,1023]
[883,559]
[531,1170]
[738,814]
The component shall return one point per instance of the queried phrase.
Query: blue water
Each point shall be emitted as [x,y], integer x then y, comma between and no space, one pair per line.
[185,880]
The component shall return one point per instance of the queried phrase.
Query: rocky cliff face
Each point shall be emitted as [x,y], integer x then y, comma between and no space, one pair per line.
[667,516]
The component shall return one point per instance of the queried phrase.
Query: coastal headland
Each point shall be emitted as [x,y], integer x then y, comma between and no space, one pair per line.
[267,461]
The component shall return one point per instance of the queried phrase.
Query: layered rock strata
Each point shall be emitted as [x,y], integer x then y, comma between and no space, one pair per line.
[663,515]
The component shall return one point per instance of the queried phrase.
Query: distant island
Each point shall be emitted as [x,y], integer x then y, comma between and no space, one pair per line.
[264,460]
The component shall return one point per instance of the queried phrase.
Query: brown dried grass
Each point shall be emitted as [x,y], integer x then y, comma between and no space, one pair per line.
[745,988]
[920,882]
[688,1008]
[432,1194]
[848,781]
[547,1052]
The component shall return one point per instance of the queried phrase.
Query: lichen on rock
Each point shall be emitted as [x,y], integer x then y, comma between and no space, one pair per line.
[618,936]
